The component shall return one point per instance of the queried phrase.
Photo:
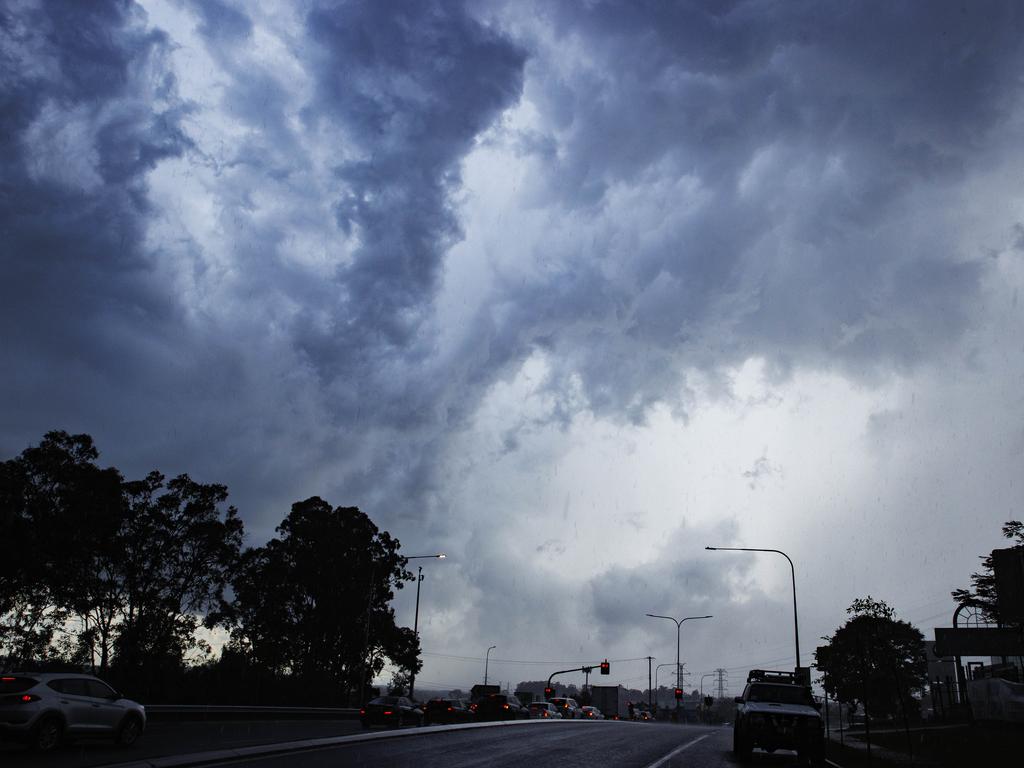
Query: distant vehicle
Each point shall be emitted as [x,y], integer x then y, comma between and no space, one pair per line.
[775,712]
[45,709]
[611,700]
[441,711]
[568,707]
[501,706]
[591,713]
[542,709]
[391,711]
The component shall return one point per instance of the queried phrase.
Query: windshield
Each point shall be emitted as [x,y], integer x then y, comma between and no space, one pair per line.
[782,694]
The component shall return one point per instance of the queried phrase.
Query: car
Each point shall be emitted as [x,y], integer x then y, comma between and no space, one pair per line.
[777,712]
[441,711]
[568,707]
[591,713]
[501,706]
[45,709]
[542,709]
[391,711]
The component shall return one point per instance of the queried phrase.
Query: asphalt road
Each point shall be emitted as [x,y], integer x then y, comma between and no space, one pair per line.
[561,744]
[176,738]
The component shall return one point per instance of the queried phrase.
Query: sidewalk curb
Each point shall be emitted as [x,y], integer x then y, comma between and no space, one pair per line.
[303,745]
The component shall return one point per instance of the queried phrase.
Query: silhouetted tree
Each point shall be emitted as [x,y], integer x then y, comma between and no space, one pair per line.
[140,564]
[315,599]
[874,659]
[178,550]
[60,511]
[983,592]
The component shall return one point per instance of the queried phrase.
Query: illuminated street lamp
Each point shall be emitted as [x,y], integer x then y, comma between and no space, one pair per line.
[792,572]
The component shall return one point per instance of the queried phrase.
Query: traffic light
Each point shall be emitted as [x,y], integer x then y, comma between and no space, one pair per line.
[606,668]
[708,701]
[549,692]
[679,693]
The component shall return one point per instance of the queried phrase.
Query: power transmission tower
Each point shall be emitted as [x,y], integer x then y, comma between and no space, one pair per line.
[722,683]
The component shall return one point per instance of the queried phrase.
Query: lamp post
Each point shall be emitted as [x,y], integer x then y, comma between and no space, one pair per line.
[792,573]
[656,670]
[487,661]
[679,624]
[416,621]
[709,674]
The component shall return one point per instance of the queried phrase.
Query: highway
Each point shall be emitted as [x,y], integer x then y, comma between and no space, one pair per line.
[561,744]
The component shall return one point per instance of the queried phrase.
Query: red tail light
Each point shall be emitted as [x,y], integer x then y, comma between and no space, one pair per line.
[451,709]
[504,706]
[8,679]
[388,712]
[362,711]
[26,698]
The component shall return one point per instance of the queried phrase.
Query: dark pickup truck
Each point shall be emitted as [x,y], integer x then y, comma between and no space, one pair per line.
[776,712]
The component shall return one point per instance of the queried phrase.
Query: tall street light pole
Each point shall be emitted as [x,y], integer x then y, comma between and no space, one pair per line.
[416,621]
[487,661]
[679,624]
[792,573]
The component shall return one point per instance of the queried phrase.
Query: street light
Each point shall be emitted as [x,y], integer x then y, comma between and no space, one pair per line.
[679,623]
[487,661]
[709,674]
[792,572]
[656,670]
[416,621]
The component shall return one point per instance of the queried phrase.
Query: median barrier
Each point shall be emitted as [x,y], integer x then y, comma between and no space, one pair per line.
[185,712]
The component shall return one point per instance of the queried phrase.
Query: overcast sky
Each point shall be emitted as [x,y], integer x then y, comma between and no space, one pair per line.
[565,290]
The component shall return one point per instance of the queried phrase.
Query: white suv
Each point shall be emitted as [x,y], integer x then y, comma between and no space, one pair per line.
[45,708]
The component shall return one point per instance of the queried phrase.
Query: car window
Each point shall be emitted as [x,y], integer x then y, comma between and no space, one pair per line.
[99,690]
[74,687]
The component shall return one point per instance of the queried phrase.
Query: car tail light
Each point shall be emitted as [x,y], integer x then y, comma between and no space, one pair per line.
[388,712]
[451,709]
[504,706]
[28,697]
[362,711]
[8,679]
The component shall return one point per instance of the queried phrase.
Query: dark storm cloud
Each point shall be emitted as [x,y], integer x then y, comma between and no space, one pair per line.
[816,134]
[410,85]
[88,110]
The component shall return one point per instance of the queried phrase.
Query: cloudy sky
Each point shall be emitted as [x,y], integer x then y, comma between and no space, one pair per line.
[565,290]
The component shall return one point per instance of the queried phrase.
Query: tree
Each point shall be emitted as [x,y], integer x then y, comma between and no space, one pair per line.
[315,600]
[874,659]
[983,594]
[60,509]
[138,564]
[177,552]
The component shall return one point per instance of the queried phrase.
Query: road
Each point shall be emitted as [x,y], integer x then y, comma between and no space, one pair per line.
[561,744]
[177,738]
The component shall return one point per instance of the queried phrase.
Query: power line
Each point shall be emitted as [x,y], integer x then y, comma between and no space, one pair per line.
[583,662]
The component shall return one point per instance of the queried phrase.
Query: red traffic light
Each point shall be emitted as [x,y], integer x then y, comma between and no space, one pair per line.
[606,668]
[679,693]
[549,692]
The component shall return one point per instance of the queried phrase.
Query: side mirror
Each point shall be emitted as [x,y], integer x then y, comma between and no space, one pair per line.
[738,699]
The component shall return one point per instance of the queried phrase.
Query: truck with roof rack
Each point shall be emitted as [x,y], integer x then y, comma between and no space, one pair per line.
[777,711]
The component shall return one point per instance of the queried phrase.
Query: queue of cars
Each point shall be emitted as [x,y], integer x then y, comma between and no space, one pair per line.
[395,711]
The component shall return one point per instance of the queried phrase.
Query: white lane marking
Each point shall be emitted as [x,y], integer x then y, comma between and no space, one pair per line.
[833,763]
[662,760]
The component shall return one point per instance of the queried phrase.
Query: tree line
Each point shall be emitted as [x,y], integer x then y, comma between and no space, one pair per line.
[123,576]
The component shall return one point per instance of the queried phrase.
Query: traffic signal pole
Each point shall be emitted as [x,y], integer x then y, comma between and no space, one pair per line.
[605,669]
